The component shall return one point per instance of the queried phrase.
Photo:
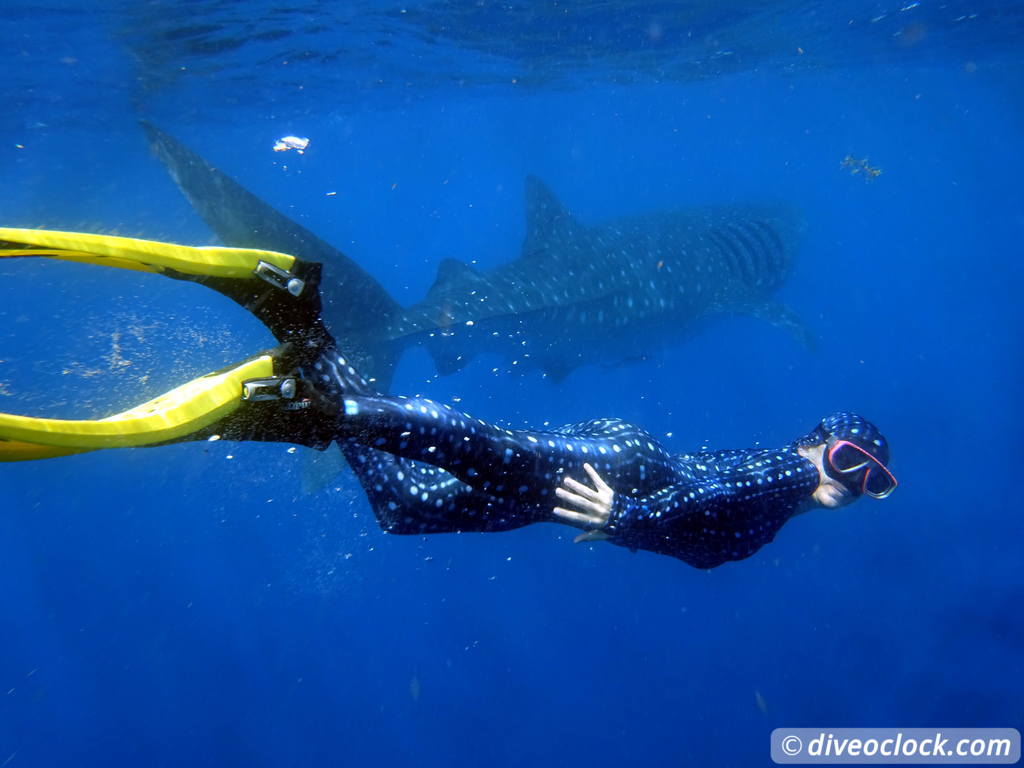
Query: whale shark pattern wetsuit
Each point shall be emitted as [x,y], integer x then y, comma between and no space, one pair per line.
[427,468]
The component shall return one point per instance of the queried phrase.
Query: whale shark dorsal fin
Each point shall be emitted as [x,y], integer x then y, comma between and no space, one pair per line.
[547,219]
[452,274]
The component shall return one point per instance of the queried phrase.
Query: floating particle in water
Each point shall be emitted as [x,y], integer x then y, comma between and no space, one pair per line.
[860,167]
[291,142]
[762,705]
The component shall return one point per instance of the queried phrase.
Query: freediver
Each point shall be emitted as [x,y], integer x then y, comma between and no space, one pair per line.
[427,468]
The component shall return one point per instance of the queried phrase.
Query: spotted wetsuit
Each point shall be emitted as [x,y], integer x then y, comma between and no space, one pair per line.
[427,468]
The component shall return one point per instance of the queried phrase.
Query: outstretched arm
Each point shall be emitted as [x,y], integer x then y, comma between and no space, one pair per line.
[632,521]
[708,519]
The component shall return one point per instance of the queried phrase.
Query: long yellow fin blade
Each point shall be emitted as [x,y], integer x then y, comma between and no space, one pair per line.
[180,412]
[143,255]
[12,450]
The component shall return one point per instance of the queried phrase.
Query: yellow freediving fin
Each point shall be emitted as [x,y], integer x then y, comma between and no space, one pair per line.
[140,255]
[280,290]
[175,414]
[12,450]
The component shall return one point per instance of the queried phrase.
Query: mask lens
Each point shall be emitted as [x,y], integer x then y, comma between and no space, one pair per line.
[878,483]
[846,458]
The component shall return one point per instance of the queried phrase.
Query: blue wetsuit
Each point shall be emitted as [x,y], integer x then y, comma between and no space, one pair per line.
[427,468]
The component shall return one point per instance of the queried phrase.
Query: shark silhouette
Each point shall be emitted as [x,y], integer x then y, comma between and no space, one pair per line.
[577,294]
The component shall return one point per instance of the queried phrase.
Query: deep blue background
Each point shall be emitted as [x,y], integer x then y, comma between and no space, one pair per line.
[206,604]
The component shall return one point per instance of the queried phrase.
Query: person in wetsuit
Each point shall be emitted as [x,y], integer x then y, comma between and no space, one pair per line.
[705,508]
[427,468]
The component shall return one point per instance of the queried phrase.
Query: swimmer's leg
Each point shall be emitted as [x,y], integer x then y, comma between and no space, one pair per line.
[520,464]
[408,497]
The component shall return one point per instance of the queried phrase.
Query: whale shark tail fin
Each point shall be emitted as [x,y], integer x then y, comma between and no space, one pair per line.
[356,307]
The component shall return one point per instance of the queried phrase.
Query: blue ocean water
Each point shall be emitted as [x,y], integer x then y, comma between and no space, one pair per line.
[213,604]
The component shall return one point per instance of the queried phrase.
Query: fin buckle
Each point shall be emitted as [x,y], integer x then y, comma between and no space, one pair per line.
[280,278]
[272,388]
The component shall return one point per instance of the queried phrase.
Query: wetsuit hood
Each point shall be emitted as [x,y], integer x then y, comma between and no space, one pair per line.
[853,428]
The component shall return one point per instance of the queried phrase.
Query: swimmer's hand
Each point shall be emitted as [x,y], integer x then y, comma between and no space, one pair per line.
[585,507]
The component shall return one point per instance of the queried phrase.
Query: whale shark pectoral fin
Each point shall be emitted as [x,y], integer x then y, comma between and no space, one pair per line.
[784,318]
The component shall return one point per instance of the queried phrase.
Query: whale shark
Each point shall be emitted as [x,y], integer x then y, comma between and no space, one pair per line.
[578,294]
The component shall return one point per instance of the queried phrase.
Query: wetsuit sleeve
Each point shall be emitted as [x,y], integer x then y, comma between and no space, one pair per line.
[710,520]
[641,522]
